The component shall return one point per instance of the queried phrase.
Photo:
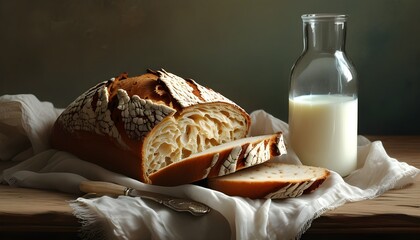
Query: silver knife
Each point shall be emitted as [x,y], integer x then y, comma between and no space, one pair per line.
[177,204]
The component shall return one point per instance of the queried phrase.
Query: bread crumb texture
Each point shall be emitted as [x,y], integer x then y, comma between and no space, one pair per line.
[270,171]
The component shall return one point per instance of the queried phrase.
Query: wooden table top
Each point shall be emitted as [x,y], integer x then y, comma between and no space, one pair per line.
[393,215]
[396,213]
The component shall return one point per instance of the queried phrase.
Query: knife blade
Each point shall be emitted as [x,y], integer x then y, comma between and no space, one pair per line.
[177,204]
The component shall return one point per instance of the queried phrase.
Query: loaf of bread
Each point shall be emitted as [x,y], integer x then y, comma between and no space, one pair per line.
[270,180]
[139,125]
[221,160]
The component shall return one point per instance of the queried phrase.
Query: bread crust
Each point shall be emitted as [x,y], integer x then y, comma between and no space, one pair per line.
[113,158]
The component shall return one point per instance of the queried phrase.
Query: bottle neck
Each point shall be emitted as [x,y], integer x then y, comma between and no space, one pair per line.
[324,35]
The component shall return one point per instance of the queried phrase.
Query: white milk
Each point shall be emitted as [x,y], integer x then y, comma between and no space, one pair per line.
[323,131]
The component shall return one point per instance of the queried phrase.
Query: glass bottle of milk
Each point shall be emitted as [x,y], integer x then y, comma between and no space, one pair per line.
[323,97]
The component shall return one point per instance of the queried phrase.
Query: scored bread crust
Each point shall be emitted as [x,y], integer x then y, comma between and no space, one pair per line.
[271,179]
[138,125]
[221,160]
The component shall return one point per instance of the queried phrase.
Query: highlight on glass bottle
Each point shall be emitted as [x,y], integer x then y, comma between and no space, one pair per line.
[323,102]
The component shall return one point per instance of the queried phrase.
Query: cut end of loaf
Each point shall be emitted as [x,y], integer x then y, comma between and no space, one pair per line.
[198,128]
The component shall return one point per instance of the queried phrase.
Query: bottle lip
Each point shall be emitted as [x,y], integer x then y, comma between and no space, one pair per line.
[324,17]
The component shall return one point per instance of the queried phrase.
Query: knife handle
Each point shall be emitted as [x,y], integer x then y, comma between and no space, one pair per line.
[177,204]
[103,188]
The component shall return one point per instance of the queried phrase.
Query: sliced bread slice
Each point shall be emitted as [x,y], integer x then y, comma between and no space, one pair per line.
[270,179]
[221,160]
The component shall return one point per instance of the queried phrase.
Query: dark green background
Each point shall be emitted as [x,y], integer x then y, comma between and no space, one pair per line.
[243,49]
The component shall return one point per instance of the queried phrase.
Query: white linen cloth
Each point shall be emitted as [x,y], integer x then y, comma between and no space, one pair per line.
[25,122]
